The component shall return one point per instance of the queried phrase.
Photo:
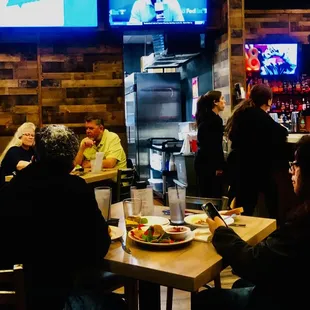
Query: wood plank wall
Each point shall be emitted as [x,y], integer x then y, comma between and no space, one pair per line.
[48,83]
[236,34]
[229,62]
[277,24]
[221,71]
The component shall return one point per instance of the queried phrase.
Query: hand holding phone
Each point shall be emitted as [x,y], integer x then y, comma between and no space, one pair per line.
[212,212]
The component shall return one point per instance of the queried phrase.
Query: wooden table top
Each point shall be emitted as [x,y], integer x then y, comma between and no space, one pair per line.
[89,177]
[187,268]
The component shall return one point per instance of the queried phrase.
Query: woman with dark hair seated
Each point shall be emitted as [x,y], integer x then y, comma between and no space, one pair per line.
[278,265]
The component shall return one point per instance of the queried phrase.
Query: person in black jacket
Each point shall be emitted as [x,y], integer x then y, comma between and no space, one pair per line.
[209,161]
[277,266]
[256,139]
[51,223]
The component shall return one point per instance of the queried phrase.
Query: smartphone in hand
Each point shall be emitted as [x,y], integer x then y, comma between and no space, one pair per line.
[211,211]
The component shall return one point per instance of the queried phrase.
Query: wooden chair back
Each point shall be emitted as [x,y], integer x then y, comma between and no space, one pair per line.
[14,295]
[125,179]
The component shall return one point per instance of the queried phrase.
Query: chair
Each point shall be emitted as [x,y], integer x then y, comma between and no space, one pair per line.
[125,179]
[14,280]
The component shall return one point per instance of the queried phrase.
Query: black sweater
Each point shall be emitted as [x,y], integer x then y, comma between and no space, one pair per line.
[259,141]
[277,266]
[11,159]
[210,138]
[51,223]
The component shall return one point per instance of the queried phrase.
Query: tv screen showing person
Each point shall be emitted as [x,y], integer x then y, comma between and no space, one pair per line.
[157,12]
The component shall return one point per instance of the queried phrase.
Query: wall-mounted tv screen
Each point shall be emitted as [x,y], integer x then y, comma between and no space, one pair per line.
[272,59]
[48,13]
[157,13]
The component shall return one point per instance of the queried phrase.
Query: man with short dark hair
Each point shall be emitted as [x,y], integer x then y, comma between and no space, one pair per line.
[100,139]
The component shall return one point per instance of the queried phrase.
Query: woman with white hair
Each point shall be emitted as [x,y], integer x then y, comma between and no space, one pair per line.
[19,152]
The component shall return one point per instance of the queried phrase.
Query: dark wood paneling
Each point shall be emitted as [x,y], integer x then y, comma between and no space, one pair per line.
[280,25]
[76,78]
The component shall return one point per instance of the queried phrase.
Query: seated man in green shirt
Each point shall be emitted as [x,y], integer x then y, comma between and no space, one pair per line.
[100,139]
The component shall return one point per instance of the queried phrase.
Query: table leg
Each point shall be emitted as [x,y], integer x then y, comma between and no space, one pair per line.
[193,295]
[217,281]
[149,296]
[131,294]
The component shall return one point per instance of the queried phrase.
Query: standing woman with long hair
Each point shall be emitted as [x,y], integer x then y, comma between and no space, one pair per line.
[209,161]
[258,152]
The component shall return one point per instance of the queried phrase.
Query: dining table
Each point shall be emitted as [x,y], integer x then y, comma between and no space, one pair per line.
[87,175]
[185,267]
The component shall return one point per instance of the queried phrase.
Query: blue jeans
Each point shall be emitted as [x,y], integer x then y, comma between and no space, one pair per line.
[224,299]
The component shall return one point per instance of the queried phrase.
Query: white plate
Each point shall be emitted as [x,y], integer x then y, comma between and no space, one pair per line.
[192,219]
[189,237]
[116,232]
[156,220]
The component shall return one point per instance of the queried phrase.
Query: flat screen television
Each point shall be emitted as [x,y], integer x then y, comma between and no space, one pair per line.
[157,13]
[272,59]
[48,13]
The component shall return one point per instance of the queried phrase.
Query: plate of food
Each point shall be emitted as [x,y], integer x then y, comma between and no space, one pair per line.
[135,221]
[156,220]
[200,220]
[115,232]
[157,236]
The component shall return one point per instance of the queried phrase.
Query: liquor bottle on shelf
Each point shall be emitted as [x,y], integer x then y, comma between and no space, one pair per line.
[282,106]
[298,87]
[296,103]
[293,87]
[291,105]
[302,123]
[285,87]
[274,87]
[304,106]
[287,106]
[308,105]
[303,83]
[278,105]
[289,87]
[280,87]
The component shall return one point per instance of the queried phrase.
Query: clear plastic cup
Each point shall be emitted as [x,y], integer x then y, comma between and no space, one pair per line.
[132,212]
[103,196]
[177,203]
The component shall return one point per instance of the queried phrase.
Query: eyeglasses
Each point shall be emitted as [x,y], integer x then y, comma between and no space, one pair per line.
[293,164]
[28,135]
